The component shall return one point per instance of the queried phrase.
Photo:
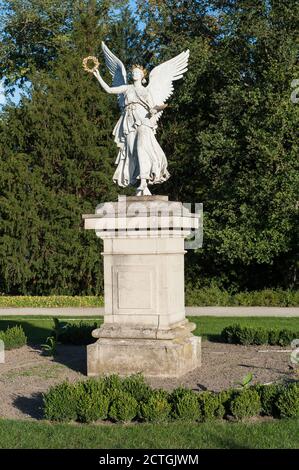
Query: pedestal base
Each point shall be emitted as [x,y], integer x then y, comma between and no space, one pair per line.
[154,353]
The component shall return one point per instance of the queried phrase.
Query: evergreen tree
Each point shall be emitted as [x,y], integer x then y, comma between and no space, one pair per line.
[60,140]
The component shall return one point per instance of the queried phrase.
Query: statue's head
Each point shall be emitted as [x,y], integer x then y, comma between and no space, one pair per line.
[139,73]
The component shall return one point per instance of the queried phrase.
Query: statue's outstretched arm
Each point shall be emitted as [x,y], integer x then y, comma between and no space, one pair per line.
[115,90]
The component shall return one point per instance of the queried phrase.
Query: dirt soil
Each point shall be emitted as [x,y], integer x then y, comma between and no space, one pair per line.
[26,373]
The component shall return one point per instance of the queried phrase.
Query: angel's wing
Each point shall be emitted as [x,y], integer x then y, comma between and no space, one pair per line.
[162,77]
[117,70]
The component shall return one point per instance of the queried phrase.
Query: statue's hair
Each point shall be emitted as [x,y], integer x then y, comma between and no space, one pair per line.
[136,66]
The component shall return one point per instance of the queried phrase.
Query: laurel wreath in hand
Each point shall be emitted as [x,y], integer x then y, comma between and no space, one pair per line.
[90,59]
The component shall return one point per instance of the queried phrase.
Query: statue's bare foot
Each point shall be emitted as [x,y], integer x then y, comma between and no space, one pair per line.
[142,189]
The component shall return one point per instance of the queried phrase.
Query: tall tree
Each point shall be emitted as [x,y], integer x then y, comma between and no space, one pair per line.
[232,133]
[59,139]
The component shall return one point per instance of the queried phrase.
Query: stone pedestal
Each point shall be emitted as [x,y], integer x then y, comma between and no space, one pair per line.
[145,329]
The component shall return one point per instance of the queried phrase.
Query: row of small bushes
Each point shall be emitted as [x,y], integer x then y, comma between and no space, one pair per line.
[13,337]
[131,399]
[213,296]
[207,296]
[237,334]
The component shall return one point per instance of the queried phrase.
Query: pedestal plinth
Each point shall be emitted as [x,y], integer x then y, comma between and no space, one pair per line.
[145,329]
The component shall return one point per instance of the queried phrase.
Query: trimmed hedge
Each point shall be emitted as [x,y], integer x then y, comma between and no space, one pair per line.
[237,334]
[213,296]
[51,301]
[13,337]
[206,296]
[131,399]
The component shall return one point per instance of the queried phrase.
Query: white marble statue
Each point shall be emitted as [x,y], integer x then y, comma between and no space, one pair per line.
[140,159]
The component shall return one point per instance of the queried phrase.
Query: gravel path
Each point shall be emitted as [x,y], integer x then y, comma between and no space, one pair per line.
[26,374]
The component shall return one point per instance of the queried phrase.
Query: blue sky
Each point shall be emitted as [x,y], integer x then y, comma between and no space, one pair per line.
[16,96]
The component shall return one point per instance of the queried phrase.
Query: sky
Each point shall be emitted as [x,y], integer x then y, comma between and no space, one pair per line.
[16,97]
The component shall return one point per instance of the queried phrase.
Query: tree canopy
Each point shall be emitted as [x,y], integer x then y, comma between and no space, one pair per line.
[230,134]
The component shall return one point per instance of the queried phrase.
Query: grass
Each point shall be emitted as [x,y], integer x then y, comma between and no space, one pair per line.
[37,329]
[45,372]
[211,327]
[214,435]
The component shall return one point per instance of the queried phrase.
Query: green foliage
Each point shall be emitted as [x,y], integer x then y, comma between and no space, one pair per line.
[185,404]
[73,333]
[261,336]
[215,296]
[237,334]
[286,337]
[123,407]
[92,402]
[60,402]
[13,337]
[231,134]
[206,296]
[268,395]
[156,408]
[210,406]
[288,401]
[246,380]
[50,347]
[136,386]
[109,398]
[245,404]
[51,301]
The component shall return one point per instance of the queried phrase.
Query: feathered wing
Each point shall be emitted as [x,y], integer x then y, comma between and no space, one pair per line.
[117,70]
[162,77]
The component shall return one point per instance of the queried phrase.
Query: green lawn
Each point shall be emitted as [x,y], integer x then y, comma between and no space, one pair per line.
[38,329]
[213,435]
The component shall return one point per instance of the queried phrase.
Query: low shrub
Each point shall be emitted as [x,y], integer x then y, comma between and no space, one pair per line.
[60,402]
[245,335]
[157,407]
[245,404]
[13,337]
[273,337]
[288,401]
[210,406]
[136,386]
[268,396]
[261,336]
[92,402]
[73,333]
[230,334]
[123,407]
[286,337]
[185,404]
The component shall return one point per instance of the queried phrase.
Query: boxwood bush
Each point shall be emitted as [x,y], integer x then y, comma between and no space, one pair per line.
[123,407]
[125,400]
[185,404]
[237,334]
[245,404]
[156,408]
[288,401]
[13,337]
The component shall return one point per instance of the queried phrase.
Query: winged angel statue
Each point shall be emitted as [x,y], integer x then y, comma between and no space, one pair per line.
[141,160]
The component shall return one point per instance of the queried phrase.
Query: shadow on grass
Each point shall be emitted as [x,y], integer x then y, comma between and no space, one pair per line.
[35,332]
